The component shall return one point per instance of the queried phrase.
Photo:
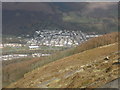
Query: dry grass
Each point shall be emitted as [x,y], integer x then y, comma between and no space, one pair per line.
[59,68]
[90,44]
[15,71]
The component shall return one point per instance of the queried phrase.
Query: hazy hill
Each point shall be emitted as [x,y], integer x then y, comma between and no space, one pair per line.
[25,18]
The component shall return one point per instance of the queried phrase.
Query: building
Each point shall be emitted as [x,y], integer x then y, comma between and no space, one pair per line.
[33,47]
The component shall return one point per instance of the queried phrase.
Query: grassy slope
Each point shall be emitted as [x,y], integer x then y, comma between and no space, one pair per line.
[15,69]
[90,44]
[13,75]
[90,66]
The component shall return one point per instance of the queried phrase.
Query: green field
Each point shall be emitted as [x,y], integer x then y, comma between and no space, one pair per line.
[26,50]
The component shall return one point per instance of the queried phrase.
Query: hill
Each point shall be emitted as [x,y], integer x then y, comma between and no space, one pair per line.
[90,44]
[25,18]
[13,74]
[112,84]
[87,69]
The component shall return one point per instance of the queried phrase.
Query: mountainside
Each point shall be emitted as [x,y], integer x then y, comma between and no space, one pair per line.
[83,70]
[90,44]
[13,70]
[25,18]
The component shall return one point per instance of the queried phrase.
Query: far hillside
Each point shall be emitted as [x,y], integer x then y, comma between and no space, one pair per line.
[24,18]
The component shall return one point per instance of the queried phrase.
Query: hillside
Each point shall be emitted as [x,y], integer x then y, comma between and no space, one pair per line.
[11,75]
[25,18]
[87,69]
[112,84]
[90,44]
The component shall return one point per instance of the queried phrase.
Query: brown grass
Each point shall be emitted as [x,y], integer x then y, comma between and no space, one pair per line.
[15,71]
[90,44]
[73,62]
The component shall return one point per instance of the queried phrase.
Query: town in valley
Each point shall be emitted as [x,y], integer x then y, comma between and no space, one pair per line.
[44,40]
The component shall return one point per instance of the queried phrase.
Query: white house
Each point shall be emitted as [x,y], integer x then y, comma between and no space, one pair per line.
[33,47]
